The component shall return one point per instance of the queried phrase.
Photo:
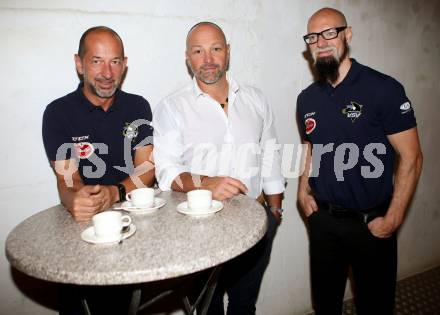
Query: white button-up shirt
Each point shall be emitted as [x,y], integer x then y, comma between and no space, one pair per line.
[193,134]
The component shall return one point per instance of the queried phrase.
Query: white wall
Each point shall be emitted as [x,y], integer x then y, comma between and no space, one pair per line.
[38,42]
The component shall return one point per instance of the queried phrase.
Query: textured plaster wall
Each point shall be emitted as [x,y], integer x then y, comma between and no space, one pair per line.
[39,39]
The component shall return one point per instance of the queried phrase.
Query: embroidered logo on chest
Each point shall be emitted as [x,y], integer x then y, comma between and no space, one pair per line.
[353,111]
[130,131]
[83,149]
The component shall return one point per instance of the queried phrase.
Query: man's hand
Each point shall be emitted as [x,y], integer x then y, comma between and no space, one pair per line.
[223,187]
[409,167]
[383,227]
[307,203]
[108,196]
[89,200]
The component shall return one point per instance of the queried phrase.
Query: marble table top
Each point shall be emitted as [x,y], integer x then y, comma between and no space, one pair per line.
[166,244]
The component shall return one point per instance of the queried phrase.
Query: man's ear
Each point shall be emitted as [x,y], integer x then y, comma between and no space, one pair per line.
[228,51]
[187,60]
[348,34]
[79,64]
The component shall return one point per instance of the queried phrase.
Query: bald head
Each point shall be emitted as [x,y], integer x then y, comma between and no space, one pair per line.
[201,28]
[96,32]
[207,53]
[328,41]
[326,17]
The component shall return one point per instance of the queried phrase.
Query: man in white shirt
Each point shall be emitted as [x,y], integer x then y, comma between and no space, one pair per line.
[219,135]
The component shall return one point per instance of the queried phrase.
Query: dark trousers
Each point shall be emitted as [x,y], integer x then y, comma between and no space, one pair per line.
[100,299]
[336,244]
[241,277]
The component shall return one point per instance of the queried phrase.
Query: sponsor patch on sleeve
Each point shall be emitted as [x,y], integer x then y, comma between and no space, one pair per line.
[310,125]
[83,150]
[405,108]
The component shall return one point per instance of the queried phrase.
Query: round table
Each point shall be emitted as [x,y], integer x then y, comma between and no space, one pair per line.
[166,244]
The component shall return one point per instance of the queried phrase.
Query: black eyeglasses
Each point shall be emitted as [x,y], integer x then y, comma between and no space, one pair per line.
[329,33]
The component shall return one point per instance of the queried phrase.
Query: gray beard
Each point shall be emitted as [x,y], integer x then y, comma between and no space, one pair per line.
[206,80]
[98,92]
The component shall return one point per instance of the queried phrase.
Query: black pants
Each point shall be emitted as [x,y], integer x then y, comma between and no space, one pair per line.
[241,277]
[336,244]
[101,300]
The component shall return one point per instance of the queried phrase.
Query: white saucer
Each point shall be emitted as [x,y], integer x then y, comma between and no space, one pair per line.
[128,206]
[215,207]
[89,236]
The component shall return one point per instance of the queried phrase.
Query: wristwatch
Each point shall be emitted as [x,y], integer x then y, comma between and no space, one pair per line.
[277,209]
[122,193]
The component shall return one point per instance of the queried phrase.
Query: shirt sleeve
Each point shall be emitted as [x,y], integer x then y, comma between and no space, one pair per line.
[273,180]
[57,143]
[168,146]
[396,110]
[299,119]
[144,124]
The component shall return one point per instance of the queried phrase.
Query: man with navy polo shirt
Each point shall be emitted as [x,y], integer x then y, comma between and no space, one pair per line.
[359,130]
[99,142]
[98,138]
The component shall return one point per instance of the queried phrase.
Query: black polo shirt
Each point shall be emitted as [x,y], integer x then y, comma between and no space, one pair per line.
[103,142]
[351,123]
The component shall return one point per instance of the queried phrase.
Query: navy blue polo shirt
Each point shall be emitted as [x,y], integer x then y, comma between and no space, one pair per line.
[103,142]
[348,127]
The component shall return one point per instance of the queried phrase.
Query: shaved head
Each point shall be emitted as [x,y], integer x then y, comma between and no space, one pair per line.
[207,53]
[329,50]
[328,15]
[204,25]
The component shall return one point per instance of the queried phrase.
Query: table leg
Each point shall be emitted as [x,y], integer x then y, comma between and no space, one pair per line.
[135,301]
[85,307]
[211,285]
[155,299]
[205,296]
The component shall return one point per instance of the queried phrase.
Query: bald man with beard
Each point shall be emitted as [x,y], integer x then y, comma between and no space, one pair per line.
[363,163]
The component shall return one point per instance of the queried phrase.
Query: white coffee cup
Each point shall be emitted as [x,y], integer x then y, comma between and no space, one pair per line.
[108,225]
[141,197]
[199,200]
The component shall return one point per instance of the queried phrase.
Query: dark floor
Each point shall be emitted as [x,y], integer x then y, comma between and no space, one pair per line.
[419,294]
[416,295]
